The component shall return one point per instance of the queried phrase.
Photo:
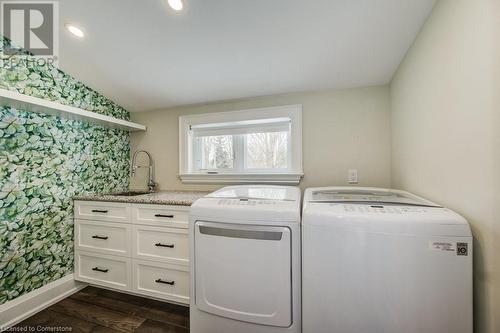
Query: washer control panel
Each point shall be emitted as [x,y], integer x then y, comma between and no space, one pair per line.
[381,209]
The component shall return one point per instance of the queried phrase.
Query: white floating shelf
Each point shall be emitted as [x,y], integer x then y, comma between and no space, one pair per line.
[29,103]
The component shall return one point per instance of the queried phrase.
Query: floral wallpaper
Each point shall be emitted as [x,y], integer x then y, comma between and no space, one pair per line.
[44,161]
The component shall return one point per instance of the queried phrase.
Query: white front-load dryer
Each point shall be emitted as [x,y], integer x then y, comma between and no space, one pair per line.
[245,260]
[383,261]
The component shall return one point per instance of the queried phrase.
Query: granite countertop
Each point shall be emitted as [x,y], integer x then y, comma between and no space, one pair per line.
[179,198]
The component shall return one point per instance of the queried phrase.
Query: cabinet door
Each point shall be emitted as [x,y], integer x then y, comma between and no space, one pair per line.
[103,237]
[165,216]
[102,211]
[244,272]
[103,270]
[170,282]
[157,243]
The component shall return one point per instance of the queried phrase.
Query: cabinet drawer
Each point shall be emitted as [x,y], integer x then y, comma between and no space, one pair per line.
[159,243]
[169,282]
[160,215]
[102,211]
[103,237]
[109,271]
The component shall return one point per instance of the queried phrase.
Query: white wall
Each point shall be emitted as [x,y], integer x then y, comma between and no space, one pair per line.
[341,130]
[446,130]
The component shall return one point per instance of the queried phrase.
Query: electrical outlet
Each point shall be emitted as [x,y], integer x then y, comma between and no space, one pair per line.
[352,176]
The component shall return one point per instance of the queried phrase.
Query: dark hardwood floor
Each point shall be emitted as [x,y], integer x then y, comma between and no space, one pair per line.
[100,310]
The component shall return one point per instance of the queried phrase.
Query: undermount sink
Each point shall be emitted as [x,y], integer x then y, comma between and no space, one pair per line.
[130,193]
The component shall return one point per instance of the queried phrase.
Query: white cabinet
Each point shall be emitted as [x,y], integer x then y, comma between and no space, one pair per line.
[165,216]
[109,271]
[137,248]
[169,282]
[103,237]
[158,243]
[102,211]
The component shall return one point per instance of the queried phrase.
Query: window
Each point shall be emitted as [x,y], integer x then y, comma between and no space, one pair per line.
[241,146]
[259,145]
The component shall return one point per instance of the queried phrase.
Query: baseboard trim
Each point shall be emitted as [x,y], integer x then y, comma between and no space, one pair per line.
[15,311]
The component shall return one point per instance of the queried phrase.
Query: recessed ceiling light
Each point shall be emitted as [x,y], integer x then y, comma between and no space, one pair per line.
[74,30]
[175,4]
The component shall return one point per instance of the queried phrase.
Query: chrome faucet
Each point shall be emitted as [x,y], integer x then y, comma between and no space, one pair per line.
[134,167]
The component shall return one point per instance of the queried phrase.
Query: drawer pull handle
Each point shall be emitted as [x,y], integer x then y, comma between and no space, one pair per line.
[99,211]
[165,282]
[165,245]
[104,270]
[163,215]
[100,237]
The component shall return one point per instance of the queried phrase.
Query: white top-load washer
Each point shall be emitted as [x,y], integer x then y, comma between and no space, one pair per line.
[245,260]
[383,261]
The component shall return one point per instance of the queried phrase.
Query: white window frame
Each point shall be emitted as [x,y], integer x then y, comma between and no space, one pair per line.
[292,175]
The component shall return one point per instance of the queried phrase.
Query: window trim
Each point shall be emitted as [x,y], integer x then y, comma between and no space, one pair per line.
[293,174]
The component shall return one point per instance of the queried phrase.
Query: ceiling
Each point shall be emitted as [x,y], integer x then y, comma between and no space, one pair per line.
[144,56]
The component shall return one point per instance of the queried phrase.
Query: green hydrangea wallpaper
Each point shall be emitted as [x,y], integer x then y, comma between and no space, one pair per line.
[44,161]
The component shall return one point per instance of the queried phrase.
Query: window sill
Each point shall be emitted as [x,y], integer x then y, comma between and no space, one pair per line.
[261,178]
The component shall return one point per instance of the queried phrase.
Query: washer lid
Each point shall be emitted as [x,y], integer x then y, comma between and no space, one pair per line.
[365,196]
[379,210]
[250,203]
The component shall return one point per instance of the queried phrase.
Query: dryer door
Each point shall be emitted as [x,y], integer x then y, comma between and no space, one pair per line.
[243,272]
